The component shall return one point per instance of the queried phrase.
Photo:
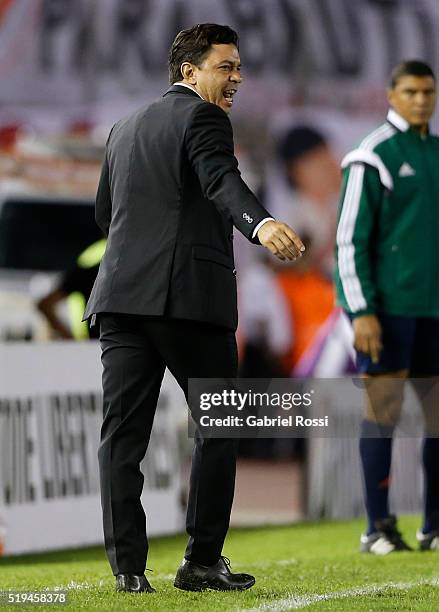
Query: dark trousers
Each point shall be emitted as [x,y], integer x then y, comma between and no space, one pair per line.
[135,351]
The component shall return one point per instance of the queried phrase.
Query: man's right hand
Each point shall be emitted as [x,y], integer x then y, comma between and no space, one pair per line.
[367,336]
[281,240]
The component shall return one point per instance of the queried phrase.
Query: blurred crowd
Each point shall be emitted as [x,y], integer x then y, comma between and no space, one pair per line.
[286,310]
[283,307]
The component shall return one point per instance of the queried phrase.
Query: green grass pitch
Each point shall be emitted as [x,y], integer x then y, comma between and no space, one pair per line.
[311,566]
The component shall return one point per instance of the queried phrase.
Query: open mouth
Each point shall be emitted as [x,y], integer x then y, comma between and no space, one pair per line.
[228,95]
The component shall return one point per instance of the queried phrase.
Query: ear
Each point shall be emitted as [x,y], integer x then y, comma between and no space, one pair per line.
[188,73]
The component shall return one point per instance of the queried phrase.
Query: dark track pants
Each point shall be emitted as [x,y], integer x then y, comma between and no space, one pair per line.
[135,351]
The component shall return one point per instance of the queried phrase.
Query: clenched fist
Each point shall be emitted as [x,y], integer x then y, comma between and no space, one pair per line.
[281,240]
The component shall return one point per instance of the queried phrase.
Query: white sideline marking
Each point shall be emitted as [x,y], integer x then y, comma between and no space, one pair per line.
[289,603]
[87,585]
[298,602]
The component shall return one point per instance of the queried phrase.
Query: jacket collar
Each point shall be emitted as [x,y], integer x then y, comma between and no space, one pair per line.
[397,121]
[182,89]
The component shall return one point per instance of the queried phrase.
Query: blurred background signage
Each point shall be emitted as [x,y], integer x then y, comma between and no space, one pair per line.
[84,51]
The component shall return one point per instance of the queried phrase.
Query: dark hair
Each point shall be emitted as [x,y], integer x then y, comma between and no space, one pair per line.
[299,140]
[191,45]
[410,68]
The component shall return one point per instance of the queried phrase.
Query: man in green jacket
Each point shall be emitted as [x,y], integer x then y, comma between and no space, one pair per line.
[387,278]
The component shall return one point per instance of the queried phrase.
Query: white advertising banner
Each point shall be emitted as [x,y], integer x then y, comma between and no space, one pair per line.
[50,415]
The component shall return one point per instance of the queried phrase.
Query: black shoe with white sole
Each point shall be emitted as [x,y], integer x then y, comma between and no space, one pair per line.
[385,539]
[428,541]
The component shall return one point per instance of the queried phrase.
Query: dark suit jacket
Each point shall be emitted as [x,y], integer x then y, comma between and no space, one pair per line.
[169,194]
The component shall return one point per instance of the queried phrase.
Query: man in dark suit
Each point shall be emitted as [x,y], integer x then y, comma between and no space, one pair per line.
[165,295]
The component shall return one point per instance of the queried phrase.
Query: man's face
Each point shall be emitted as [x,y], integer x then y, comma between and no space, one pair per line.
[414,98]
[316,172]
[218,77]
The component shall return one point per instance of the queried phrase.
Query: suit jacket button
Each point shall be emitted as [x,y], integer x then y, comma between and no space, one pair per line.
[234,271]
[231,237]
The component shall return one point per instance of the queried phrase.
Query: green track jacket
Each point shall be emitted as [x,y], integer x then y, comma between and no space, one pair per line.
[387,251]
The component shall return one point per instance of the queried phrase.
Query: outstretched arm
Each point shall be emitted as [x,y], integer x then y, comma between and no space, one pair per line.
[209,143]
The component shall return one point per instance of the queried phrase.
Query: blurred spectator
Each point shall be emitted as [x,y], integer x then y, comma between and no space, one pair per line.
[330,354]
[266,330]
[8,136]
[283,310]
[265,336]
[310,298]
[75,287]
[305,190]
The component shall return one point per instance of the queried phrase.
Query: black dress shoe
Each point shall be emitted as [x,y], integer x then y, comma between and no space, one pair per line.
[131,583]
[194,577]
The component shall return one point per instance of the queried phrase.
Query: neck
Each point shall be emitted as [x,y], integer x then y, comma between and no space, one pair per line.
[421,129]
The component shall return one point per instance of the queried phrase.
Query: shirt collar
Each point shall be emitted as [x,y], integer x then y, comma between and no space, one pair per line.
[189,87]
[397,121]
